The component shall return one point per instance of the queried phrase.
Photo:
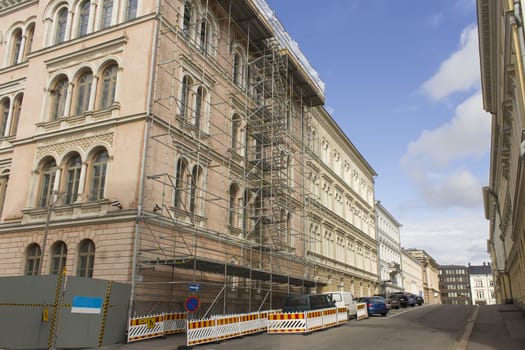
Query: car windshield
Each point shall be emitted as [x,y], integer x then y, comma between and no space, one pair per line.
[295,300]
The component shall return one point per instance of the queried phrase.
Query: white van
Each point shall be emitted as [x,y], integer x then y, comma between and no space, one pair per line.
[342,299]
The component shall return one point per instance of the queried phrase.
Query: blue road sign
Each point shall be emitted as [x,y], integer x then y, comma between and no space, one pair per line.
[192,304]
[194,287]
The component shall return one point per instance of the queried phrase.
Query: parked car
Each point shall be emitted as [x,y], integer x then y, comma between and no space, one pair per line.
[419,300]
[401,299]
[374,305]
[394,302]
[411,299]
[307,302]
[344,299]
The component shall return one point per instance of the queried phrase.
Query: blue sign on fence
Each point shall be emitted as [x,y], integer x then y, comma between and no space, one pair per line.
[194,287]
[86,305]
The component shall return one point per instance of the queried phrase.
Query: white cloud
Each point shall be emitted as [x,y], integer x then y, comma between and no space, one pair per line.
[466,135]
[457,239]
[459,72]
[432,160]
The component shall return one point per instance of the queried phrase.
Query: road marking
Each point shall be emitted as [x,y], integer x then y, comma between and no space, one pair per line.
[408,310]
[463,341]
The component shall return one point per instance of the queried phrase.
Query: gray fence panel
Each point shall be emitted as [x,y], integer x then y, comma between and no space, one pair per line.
[117,316]
[77,330]
[22,300]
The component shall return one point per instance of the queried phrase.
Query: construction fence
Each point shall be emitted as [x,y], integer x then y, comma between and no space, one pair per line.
[222,327]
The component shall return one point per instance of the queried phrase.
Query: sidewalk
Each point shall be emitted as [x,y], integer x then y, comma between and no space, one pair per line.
[498,327]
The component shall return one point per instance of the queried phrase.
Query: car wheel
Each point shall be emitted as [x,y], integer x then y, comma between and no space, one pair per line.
[384,313]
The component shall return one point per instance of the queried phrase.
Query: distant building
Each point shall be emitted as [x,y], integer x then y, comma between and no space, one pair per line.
[454,284]
[389,250]
[429,275]
[412,274]
[482,284]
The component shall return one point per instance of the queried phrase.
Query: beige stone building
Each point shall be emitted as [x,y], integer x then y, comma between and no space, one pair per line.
[430,275]
[412,274]
[501,31]
[161,143]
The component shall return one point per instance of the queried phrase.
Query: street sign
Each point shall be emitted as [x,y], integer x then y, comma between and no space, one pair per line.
[192,304]
[194,287]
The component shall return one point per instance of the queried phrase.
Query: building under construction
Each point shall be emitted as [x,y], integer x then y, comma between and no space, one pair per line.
[213,149]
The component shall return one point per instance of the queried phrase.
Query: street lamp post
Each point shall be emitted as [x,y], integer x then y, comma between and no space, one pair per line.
[50,206]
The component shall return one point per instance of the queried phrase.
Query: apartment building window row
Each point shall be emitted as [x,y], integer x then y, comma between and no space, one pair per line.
[10,108]
[20,41]
[58,257]
[74,180]
[84,92]
[64,22]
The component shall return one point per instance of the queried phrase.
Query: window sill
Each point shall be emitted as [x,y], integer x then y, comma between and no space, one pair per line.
[67,212]
[84,118]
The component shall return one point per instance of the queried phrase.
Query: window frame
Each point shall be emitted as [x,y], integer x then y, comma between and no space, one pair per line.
[58,257]
[86,258]
[33,259]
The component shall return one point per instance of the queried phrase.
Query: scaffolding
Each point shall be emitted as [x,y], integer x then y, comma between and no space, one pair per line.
[224,192]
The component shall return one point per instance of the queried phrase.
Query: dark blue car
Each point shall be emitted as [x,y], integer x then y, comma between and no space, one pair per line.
[375,305]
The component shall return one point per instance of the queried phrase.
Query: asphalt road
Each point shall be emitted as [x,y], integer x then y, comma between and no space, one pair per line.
[422,327]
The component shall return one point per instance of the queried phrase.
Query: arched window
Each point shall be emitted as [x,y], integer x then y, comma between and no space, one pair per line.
[195,187]
[185,96]
[186,19]
[83,18]
[199,106]
[246,212]
[73,168]
[58,100]
[107,12]
[83,92]
[4,179]
[17,46]
[236,143]
[5,106]
[98,175]
[30,34]
[61,20]
[236,76]
[180,183]
[33,255]
[232,209]
[47,180]
[203,35]
[58,257]
[86,258]
[109,84]
[17,108]
[132,9]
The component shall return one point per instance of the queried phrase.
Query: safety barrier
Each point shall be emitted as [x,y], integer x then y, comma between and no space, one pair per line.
[152,326]
[306,322]
[362,311]
[293,322]
[145,327]
[223,327]
[342,315]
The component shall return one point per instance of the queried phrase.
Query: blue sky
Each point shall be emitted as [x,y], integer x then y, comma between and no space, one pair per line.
[402,80]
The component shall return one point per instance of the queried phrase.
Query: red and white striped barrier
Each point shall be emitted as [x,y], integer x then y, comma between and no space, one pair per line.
[293,322]
[145,327]
[362,311]
[200,332]
[342,315]
[227,327]
[174,323]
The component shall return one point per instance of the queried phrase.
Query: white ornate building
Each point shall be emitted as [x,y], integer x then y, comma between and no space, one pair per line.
[481,284]
[412,273]
[389,250]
